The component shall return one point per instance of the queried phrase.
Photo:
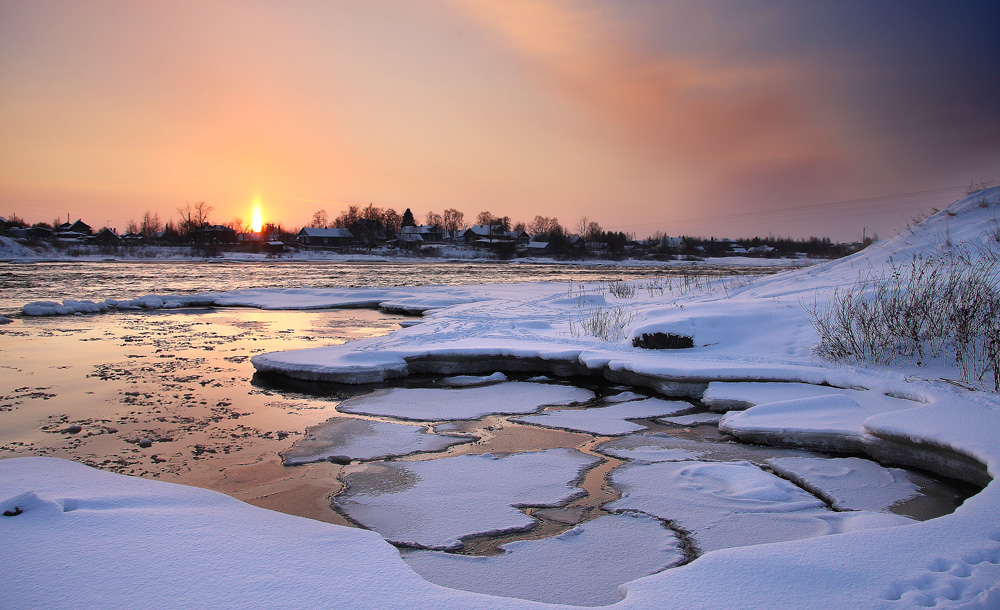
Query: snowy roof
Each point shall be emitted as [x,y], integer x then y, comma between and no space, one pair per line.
[331,232]
[418,230]
[485,229]
[537,245]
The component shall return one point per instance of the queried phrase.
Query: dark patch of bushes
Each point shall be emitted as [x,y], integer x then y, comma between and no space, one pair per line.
[662,341]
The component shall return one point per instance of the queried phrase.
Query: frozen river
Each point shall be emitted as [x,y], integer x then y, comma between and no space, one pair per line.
[171,394]
[22,283]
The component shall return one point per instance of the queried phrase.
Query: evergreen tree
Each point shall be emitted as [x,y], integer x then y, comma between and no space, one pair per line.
[408,219]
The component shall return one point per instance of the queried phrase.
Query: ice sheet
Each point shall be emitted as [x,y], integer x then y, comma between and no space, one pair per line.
[607,421]
[436,503]
[346,439]
[732,504]
[849,483]
[582,566]
[433,404]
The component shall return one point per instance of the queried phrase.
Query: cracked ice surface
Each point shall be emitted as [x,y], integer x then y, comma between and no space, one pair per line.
[436,503]
[607,421]
[582,566]
[732,504]
[358,439]
[660,447]
[850,483]
[433,404]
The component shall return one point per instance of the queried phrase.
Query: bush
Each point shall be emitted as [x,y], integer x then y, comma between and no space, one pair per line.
[662,341]
[929,307]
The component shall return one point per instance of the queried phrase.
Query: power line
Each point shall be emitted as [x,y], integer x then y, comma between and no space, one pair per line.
[814,206]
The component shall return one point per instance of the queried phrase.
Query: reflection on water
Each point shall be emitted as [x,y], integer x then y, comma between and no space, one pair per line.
[180,381]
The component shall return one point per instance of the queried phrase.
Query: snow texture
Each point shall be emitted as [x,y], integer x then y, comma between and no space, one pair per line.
[436,503]
[433,404]
[849,483]
[607,421]
[731,504]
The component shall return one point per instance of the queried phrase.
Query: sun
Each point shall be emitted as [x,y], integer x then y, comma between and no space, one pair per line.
[257,221]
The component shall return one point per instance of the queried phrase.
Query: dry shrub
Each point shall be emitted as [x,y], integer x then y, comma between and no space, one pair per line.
[928,307]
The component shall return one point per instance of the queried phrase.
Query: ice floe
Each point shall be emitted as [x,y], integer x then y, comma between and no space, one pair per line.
[608,421]
[660,447]
[849,483]
[725,505]
[344,439]
[435,404]
[584,565]
[437,503]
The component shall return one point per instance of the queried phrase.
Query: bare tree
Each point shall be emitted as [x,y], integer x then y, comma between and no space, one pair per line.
[194,216]
[434,219]
[392,221]
[320,220]
[237,225]
[150,224]
[581,226]
[593,231]
[453,220]
[132,226]
[543,225]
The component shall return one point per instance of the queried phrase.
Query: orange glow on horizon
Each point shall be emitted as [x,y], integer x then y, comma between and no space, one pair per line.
[257,221]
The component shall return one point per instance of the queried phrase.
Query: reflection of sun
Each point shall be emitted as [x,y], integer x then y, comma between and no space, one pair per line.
[257,222]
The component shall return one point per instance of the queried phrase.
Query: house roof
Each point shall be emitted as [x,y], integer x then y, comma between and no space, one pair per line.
[331,232]
[485,229]
[418,230]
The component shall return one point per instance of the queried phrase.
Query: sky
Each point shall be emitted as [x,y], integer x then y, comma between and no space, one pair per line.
[725,118]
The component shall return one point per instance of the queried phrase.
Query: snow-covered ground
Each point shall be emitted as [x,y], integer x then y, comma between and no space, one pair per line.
[85,538]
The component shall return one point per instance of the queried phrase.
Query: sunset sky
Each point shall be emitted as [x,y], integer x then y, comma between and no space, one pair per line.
[720,117]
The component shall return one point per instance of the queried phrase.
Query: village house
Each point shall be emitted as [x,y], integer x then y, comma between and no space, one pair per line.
[414,237]
[485,234]
[75,230]
[314,237]
[214,234]
[107,237]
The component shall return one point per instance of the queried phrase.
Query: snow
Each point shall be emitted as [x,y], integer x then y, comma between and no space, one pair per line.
[436,503]
[725,505]
[472,380]
[582,566]
[694,419]
[346,439]
[69,306]
[607,421]
[660,447]
[94,539]
[435,404]
[849,483]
